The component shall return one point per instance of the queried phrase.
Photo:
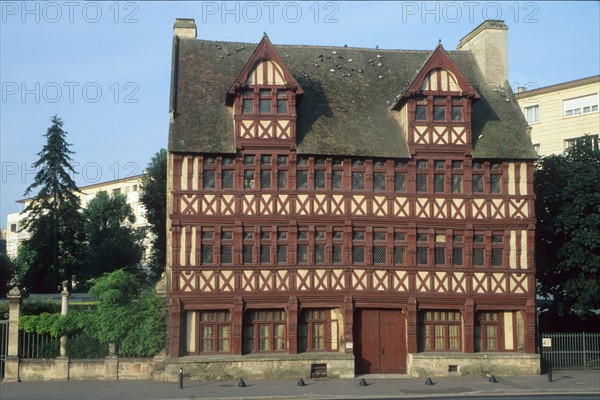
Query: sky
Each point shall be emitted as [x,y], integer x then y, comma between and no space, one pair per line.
[104,67]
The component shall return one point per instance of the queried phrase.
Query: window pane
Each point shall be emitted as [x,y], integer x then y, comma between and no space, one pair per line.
[319,179]
[495,183]
[358,254]
[249,160]
[477,183]
[281,254]
[358,181]
[421,113]
[209,179]
[302,179]
[226,254]
[319,254]
[379,181]
[282,106]
[265,179]
[247,253]
[281,160]
[282,179]
[207,254]
[439,113]
[457,184]
[337,253]
[496,257]
[457,256]
[478,257]
[227,180]
[421,255]
[248,179]
[336,179]
[247,106]
[438,183]
[264,106]
[265,253]
[207,338]
[379,255]
[224,338]
[265,160]
[440,256]
[456,113]
[399,255]
[302,253]
[400,182]
[421,183]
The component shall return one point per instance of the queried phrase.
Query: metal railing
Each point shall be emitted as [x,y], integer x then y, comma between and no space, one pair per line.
[572,350]
[35,345]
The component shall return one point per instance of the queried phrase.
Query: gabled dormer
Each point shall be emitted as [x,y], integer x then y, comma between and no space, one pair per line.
[264,98]
[437,105]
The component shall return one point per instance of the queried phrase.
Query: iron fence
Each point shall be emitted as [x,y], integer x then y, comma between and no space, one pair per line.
[571,350]
[35,345]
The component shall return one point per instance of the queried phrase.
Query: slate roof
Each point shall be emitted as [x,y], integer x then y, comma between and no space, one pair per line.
[345,108]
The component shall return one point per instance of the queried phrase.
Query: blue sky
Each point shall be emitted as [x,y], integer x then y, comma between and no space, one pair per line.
[104,67]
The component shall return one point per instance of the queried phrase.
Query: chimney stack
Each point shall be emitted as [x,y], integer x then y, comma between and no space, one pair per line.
[489,45]
[185,28]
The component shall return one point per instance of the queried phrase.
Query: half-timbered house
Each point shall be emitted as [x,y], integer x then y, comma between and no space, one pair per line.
[337,211]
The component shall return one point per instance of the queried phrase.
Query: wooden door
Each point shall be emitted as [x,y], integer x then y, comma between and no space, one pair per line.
[380,341]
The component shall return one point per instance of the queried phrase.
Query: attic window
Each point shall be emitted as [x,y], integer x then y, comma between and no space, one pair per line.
[264,104]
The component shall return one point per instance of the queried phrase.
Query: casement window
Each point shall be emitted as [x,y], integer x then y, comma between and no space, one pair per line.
[337,172]
[378,175]
[263,100]
[248,247]
[249,180]
[248,102]
[358,175]
[580,105]
[226,247]
[338,245]
[532,114]
[439,253]
[422,248]
[265,247]
[302,246]
[209,176]
[477,178]
[495,177]
[302,173]
[282,171]
[282,246]
[206,246]
[457,109]
[478,249]
[282,101]
[497,250]
[264,331]
[265,171]
[421,109]
[440,331]
[457,177]
[319,175]
[443,109]
[399,248]
[457,250]
[358,247]
[215,332]
[228,172]
[421,176]
[439,176]
[439,108]
[379,246]
[317,331]
[488,331]
[400,176]
[320,245]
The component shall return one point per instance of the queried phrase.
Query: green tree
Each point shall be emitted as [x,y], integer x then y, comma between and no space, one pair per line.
[7,271]
[154,198]
[126,315]
[53,217]
[112,241]
[568,229]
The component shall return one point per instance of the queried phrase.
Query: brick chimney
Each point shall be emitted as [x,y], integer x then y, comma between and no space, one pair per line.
[185,28]
[489,45]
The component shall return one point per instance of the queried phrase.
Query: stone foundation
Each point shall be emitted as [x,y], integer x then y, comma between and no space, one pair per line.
[338,365]
[478,364]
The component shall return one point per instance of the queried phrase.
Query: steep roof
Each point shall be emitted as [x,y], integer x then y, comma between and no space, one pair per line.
[345,108]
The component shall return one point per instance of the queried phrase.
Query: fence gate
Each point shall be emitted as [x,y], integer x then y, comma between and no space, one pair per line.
[572,350]
[3,342]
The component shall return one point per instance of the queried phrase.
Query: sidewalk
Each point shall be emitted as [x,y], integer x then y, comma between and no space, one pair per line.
[378,386]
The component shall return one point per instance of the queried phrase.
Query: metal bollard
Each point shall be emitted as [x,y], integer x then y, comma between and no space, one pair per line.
[549,371]
[180,378]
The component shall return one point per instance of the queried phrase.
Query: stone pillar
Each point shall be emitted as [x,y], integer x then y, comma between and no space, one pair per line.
[64,309]
[11,365]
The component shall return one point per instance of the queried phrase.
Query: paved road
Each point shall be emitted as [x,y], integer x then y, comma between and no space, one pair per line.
[571,383]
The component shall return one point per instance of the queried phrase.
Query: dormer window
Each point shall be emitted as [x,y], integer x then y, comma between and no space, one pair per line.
[443,108]
[265,101]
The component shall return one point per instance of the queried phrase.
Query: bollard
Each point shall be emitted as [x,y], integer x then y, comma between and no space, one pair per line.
[363,382]
[429,381]
[493,379]
[241,383]
[180,378]
[301,382]
[549,371]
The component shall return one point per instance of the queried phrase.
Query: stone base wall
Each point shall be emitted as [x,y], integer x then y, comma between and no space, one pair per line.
[338,365]
[478,364]
[109,368]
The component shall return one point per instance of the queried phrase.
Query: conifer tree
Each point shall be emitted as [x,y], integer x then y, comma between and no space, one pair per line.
[53,218]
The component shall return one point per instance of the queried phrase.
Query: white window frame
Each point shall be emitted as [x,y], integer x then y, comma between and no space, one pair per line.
[582,105]
[570,141]
[536,114]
